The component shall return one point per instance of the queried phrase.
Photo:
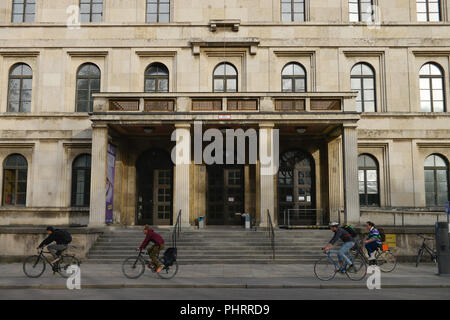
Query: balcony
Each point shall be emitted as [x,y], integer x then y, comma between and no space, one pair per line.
[334,102]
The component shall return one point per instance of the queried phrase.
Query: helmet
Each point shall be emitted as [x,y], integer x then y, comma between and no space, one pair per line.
[334,224]
[50,228]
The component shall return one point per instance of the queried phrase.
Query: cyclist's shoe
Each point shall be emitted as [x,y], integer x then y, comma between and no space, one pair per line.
[56,260]
[151,266]
[159,269]
[352,268]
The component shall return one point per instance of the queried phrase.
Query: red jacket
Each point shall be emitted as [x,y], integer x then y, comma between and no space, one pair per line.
[152,236]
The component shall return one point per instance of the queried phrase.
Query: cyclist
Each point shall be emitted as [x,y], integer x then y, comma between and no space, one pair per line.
[344,251]
[372,242]
[153,251]
[62,239]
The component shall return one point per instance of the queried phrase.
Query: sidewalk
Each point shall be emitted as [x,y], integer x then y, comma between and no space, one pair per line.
[270,276]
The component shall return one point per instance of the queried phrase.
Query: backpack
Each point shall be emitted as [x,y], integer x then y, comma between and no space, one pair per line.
[170,256]
[382,234]
[350,229]
[67,236]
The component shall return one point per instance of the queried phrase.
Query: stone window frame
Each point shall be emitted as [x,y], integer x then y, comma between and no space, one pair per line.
[365,169]
[361,78]
[294,77]
[435,169]
[157,77]
[158,3]
[430,77]
[225,77]
[89,78]
[72,191]
[23,13]
[21,78]
[91,13]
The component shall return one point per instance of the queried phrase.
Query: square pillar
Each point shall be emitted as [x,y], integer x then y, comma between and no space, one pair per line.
[351,190]
[98,176]
[181,155]
[268,168]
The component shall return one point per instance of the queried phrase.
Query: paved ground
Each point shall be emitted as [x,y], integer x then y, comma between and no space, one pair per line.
[95,276]
[227,294]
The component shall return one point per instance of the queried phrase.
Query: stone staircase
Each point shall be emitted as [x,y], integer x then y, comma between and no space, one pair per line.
[218,246]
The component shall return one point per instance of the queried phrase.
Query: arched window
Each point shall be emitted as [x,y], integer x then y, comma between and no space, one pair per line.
[81,181]
[20,88]
[88,82]
[436,180]
[432,88]
[158,10]
[15,170]
[293,78]
[363,80]
[293,10]
[23,10]
[91,10]
[156,78]
[369,194]
[360,10]
[225,78]
[428,10]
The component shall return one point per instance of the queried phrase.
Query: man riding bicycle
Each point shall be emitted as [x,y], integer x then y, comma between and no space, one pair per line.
[153,251]
[62,239]
[344,252]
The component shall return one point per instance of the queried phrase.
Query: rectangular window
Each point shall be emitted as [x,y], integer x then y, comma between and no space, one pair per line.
[23,10]
[91,10]
[360,10]
[158,11]
[428,10]
[293,11]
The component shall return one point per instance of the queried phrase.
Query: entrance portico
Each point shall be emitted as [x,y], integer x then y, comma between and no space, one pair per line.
[327,137]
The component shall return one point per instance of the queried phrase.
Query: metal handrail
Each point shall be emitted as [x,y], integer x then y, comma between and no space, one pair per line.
[271,233]
[176,230]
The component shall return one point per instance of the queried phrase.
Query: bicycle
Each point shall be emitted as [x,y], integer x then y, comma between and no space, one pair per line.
[134,267]
[425,247]
[326,268]
[34,266]
[386,260]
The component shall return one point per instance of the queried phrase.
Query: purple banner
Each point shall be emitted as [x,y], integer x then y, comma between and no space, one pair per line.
[110,170]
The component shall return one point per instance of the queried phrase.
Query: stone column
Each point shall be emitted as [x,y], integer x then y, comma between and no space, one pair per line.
[351,190]
[334,178]
[181,155]
[98,175]
[268,168]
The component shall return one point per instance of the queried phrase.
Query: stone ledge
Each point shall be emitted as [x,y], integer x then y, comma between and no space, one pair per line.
[41,230]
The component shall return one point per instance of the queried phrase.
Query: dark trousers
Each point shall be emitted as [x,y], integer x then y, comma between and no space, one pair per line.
[371,247]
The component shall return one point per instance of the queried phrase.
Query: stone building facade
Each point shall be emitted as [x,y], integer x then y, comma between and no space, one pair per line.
[94,95]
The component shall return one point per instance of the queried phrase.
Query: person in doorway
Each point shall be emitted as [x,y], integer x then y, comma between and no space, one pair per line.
[155,249]
[372,242]
[344,251]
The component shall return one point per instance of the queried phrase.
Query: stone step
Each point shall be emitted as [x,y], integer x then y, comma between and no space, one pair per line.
[218,261]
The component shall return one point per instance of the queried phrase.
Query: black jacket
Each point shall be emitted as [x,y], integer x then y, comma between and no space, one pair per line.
[342,234]
[59,236]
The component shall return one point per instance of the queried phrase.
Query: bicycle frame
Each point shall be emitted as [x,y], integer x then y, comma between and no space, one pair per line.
[343,268]
[430,251]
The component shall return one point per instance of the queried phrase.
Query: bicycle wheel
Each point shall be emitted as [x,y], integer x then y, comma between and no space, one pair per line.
[169,272]
[133,267]
[34,266]
[65,263]
[359,269]
[325,269]
[386,261]
[419,256]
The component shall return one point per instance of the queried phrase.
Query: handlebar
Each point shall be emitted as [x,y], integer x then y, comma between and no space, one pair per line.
[421,236]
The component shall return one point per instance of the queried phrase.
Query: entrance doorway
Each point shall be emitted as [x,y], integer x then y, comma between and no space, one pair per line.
[296,188]
[154,175]
[225,195]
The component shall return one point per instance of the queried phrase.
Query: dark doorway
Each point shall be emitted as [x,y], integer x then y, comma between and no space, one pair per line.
[154,176]
[296,188]
[225,195]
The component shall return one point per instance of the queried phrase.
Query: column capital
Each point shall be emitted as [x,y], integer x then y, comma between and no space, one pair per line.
[183,125]
[349,125]
[99,125]
[267,125]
